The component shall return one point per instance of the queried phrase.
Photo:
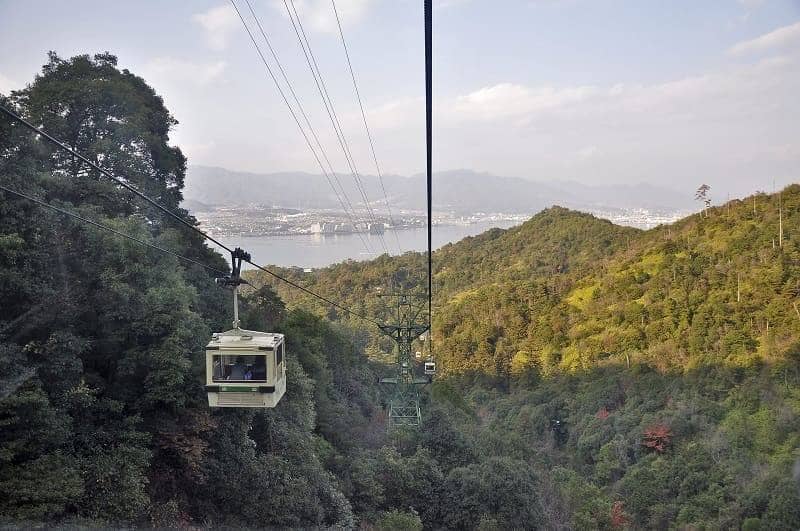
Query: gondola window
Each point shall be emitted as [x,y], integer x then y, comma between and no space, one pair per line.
[240,368]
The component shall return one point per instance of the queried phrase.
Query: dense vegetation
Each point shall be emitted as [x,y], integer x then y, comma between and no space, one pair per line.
[592,376]
[649,377]
[102,406]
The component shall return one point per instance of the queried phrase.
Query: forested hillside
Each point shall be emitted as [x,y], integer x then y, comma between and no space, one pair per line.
[566,291]
[591,376]
[102,406]
[651,377]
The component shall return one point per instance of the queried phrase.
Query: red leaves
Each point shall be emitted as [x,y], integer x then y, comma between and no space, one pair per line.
[619,518]
[657,437]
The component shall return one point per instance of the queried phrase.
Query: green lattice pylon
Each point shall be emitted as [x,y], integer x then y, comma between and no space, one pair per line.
[403,407]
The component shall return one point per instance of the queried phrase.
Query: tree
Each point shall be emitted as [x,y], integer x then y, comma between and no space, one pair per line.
[502,489]
[618,517]
[657,437]
[39,479]
[107,326]
[399,521]
[702,195]
[112,117]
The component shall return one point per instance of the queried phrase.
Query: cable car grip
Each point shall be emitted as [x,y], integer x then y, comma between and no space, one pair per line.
[234,280]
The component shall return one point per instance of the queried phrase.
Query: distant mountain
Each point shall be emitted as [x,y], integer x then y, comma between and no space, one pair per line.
[462,191]
[195,206]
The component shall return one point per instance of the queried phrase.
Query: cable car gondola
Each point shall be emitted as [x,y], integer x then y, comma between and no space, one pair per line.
[244,368]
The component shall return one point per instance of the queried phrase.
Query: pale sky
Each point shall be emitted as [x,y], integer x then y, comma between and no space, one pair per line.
[599,91]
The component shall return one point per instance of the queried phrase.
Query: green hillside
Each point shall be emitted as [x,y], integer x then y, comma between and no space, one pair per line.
[707,290]
[566,291]
[650,377]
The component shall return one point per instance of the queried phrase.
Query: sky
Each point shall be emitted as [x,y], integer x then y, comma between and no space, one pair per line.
[674,93]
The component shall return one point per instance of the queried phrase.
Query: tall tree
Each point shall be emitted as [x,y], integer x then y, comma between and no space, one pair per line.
[702,195]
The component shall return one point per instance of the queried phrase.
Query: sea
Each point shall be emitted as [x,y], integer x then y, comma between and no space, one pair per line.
[317,250]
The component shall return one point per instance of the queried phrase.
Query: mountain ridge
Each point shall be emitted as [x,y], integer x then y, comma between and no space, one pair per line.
[461,191]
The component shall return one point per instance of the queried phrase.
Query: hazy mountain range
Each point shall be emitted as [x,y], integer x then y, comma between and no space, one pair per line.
[462,191]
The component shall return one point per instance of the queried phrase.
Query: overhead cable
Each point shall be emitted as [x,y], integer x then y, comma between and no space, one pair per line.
[297,120]
[151,201]
[429,142]
[110,229]
[366,125]
[329,107]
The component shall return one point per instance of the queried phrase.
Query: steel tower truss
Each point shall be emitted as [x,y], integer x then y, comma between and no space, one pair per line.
[404,408]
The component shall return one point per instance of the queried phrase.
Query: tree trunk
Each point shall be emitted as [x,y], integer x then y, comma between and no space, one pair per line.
[780,220]
[738,287]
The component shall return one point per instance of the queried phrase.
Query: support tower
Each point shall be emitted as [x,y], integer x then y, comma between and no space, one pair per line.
[403,407]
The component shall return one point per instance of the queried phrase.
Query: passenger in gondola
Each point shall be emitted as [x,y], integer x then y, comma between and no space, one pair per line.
[238,370]
[219,371]
[248,374]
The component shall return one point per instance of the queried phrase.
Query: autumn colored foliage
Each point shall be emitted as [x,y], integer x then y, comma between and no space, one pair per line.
[657,437]
[619,519]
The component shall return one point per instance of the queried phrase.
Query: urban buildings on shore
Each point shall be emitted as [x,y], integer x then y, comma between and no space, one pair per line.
[259,220]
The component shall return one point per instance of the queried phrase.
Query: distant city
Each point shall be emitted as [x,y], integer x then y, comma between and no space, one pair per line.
[261,220]
[641,218]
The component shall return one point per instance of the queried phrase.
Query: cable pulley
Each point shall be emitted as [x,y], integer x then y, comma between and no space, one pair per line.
[238,256]
[234,280]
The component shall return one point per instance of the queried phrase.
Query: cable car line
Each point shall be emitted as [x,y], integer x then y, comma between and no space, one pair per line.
[403,407]
[320,297]
[183,221]
[351,214]
[366,126]
[307,121]
[121,182]
[315,70]
[110,229]
[299,125]
[429,142]
[180,256]
[430,364]
[328,102]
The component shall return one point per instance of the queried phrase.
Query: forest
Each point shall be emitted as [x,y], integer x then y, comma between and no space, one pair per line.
[590,376]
